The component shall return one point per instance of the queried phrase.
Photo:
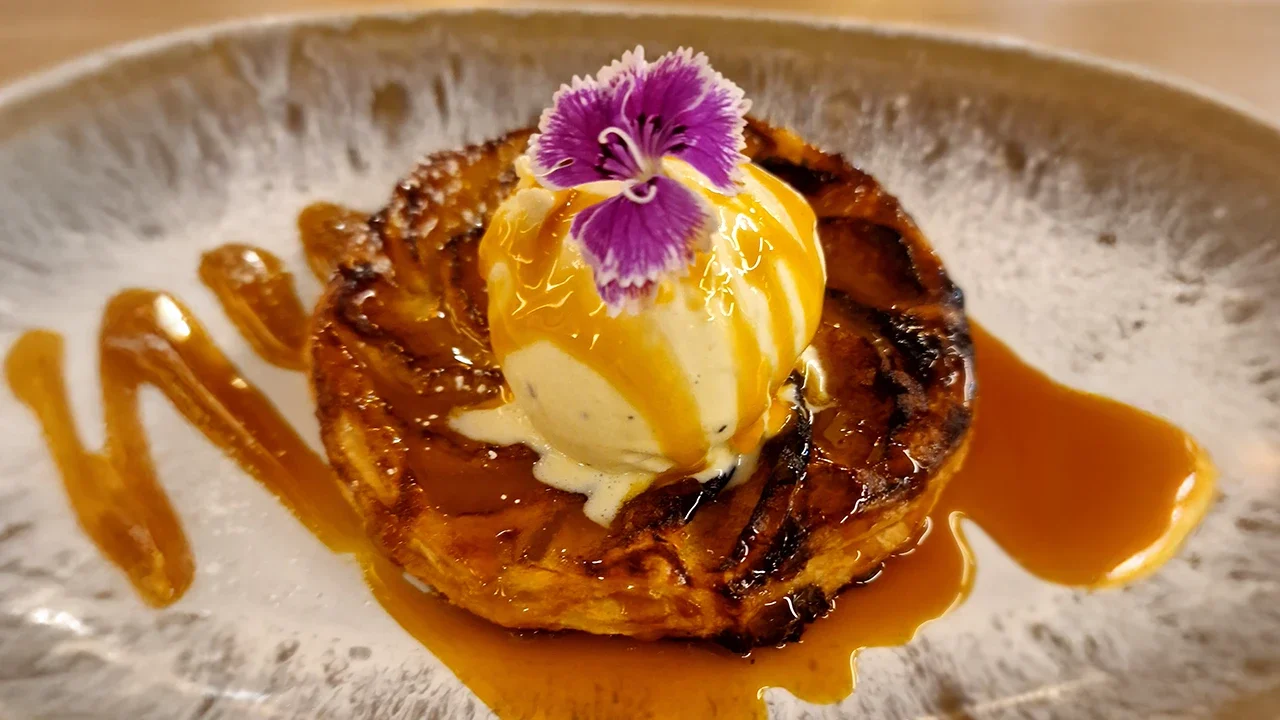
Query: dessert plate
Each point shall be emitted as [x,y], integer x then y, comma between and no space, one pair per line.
[1120,232]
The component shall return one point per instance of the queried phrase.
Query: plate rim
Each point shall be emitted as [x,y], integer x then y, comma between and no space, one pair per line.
[32,87]
[36,90]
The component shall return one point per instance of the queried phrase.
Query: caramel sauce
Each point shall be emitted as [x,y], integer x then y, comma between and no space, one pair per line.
[257,293]
[546,299]
[149,338]
[1078,489]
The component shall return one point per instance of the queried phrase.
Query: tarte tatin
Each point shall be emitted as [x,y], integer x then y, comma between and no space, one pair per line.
[401,342]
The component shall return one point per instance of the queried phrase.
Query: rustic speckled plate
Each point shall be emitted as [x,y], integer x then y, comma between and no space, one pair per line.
[1122,233]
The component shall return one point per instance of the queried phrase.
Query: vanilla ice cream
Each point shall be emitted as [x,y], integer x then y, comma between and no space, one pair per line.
[688,385]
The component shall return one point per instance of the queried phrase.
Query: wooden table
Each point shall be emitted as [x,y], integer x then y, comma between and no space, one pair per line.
[1230,46]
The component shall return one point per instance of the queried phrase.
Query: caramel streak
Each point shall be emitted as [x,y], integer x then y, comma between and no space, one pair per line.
[148,338]
[257,294]
[113,493]
[559,303]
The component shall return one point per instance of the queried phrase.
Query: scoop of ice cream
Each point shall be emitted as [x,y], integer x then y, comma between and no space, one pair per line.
[687,384]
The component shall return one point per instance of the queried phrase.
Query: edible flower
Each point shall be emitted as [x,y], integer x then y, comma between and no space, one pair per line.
[619,126]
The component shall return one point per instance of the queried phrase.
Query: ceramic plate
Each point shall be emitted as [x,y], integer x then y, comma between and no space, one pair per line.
[1121,233]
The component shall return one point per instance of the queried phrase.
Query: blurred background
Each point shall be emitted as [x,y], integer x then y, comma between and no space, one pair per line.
[1230,46]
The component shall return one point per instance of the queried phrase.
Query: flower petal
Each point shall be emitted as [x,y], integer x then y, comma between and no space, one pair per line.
[568,150]
[619,299]
[680,106]
[630,245]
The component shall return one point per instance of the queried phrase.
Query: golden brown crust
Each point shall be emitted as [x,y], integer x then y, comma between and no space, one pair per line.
[400,338]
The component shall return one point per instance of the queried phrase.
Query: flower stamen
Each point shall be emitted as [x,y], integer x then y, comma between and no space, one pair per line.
[642,163]
[631,194]
[561,165]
